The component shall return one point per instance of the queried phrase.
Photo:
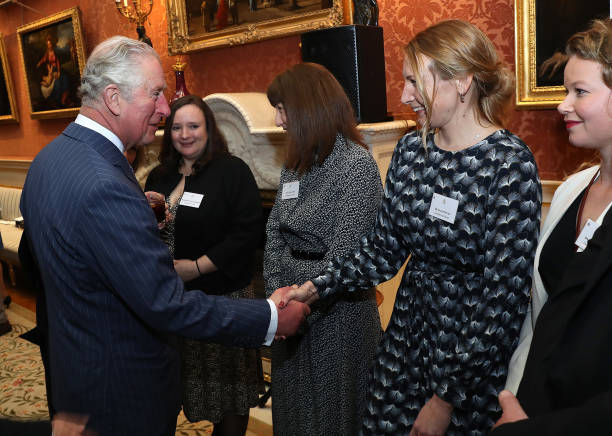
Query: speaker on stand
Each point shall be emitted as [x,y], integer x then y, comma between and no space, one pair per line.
[355,55]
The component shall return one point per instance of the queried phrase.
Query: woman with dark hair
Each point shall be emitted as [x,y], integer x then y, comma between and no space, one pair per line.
[329,193]
[462,207]
[216,228]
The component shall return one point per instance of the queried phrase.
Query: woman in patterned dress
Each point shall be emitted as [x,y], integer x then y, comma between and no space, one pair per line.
[462,199]
[330,190]
[216,228]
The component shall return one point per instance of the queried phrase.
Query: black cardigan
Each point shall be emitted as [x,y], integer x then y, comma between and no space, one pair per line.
[227,226]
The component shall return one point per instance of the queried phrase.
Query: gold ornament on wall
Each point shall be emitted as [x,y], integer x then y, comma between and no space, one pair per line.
[199,25]
[136,14]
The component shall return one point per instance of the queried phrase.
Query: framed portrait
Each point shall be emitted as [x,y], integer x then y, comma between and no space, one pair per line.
[200,24]
[8,105]
[542,29]
[52,58]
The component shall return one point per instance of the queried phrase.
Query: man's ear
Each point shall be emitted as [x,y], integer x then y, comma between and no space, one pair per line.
[111,96]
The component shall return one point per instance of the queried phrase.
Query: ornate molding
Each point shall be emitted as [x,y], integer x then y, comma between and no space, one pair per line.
[180,40]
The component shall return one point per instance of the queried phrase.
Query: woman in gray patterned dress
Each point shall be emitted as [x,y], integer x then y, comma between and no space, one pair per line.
[465,207]
[330,190]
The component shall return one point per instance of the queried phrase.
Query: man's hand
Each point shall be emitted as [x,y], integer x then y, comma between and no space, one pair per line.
[511,408]
[70,424]
[433,419]
[307,293]
[290,318]
[279,296]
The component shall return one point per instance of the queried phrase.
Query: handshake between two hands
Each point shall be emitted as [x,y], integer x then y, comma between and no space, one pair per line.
[292,304]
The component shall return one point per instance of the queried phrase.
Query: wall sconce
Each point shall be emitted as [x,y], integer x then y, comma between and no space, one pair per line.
[136,15]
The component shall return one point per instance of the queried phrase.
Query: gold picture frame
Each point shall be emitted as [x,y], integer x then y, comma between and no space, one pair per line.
[52,58]
[556,25]
[8,104]
[184,37]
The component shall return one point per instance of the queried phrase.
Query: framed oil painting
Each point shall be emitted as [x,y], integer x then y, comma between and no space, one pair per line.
[52,58]
[8,104]
[542,29]
[201,24]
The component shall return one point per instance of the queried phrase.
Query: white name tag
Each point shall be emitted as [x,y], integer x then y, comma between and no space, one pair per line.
[586,234]
[290,190]
[191,199]
[444,208]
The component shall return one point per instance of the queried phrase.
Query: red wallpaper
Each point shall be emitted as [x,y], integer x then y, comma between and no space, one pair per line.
[251,67]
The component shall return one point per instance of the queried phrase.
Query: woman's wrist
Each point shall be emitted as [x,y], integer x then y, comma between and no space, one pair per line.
[198,267]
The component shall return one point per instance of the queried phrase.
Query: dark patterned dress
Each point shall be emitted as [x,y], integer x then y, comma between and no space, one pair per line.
[464,293]
[217,380]
[320,376]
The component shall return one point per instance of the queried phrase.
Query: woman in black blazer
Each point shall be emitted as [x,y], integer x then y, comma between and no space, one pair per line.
[216,228]
[564,361]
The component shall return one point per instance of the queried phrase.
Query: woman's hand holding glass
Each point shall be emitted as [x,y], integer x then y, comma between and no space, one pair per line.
[158,203]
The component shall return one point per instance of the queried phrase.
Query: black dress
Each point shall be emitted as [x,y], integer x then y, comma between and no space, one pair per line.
[217,380]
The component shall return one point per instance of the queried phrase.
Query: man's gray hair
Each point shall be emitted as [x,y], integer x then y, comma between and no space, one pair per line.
[114,61]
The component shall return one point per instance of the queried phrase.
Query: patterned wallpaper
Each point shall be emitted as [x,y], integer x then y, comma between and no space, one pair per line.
[251,67]
[542,130]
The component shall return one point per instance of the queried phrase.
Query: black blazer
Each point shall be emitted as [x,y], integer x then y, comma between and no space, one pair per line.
[228,225]
[566,387]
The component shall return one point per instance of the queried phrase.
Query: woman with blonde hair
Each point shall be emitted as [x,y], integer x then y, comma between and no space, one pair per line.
[462,199]
[561,370]
[330,190]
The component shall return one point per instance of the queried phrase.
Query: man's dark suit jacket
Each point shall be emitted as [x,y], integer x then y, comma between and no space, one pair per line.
[112,293]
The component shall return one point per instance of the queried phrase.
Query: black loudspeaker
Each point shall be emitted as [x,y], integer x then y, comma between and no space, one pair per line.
[355,55]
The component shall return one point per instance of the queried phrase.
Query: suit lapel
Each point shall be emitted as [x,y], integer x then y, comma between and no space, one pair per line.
[103,146]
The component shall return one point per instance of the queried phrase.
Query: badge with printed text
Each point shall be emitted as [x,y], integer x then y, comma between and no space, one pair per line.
[290,190]
[191,199]
[586,234]
[444,208]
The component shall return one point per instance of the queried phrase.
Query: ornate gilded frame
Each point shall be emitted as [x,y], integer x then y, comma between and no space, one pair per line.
[179,40]
[528,94]
[12,116]
[29,39]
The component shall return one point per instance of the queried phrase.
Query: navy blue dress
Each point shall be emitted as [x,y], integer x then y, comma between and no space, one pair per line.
[464,293]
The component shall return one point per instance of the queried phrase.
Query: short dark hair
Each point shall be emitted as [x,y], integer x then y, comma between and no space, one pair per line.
[215,144]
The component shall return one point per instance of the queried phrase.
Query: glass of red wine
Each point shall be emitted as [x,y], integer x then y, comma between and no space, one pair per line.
[159,208]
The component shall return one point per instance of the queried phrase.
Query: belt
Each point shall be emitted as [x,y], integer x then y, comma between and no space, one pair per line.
[307,255]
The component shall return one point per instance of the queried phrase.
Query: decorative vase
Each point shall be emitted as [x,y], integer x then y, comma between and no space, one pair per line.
[179,74]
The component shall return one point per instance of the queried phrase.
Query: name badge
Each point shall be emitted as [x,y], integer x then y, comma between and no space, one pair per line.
[444,208]
[290,190]
[586,234]
[191,199]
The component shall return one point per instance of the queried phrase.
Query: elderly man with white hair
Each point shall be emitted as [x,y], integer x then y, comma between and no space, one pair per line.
[113,298]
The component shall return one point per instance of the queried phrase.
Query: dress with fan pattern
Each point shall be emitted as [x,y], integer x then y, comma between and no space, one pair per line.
[465,290]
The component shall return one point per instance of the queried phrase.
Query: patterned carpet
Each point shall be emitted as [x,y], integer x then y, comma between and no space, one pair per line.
[22,381]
